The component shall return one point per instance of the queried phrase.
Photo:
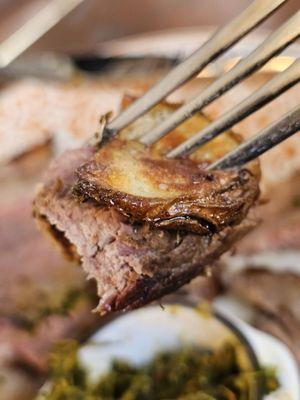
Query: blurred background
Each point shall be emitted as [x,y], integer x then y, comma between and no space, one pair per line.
[40,118]
[101,20]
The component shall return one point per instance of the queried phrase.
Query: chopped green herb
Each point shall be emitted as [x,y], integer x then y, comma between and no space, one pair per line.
[185,374]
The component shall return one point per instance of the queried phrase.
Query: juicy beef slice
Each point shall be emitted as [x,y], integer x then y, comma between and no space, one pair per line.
[276,297]
[144,238]
[132,263]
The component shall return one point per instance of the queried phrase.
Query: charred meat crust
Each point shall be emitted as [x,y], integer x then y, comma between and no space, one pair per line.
[180,194]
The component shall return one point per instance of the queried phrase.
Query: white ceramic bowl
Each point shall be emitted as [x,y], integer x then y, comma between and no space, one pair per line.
[138,335]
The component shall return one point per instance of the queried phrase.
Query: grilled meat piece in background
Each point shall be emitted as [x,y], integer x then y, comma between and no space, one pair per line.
[275,297]
[43,298]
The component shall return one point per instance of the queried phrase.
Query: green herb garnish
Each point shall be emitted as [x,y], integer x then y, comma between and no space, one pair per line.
[185,374]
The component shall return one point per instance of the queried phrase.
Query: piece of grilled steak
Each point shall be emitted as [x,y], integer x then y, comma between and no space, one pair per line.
[134,244]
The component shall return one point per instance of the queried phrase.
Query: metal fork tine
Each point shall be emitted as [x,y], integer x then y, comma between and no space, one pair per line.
[275,43]
[273,88]
[225,37]
[264,141]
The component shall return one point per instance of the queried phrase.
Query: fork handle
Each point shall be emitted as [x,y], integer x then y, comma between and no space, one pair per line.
[266,93]
[274,44]
[223,38]
[25,36]
[267,139]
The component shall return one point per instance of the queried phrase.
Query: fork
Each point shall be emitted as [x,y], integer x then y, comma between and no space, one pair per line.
[34,28]
[222,40]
